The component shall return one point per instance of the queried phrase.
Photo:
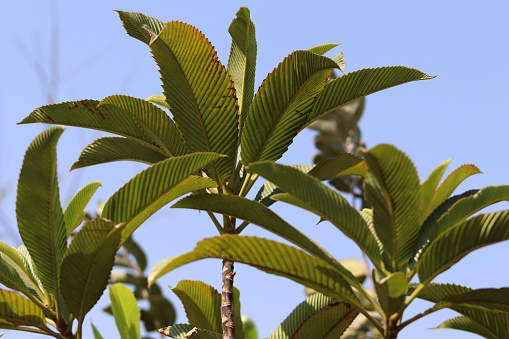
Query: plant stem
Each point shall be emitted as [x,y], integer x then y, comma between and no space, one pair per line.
[227,300]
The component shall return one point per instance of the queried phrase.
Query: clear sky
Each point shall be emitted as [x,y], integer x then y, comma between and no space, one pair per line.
[68,50]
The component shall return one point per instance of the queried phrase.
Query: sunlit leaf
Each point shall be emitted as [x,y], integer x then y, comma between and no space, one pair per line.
[282,104]
[110,149]
[38,210]
[467,324]
[392,188]
[317,317]
[322,49]
[268,256]
[155,187]
[18,310]
[452,245]
[186,331]
[360,83]
[320,199]
[200,93]
[133,23]
[242,60]
[202,304]
[74,212]
[126,311]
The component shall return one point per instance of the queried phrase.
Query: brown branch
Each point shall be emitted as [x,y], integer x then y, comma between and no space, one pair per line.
[227,300]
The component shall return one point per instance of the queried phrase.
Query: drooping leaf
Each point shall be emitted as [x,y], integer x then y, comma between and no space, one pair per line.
[435,292]
[153,121]
[202,304]
[320,199]
[268,256]
[155,187]
[447,187]
[455,243]
[133,23]
[491,298]
[249,327]
[429,186]
[109,149]
[322,49]
[18,310]
[39,213]
[392,188]
[126,311]
[469,325]
[344,164]
[317,317]
[260,215]
[282,104]
[238,322]
[242,60]
[134,249]
[87,265]
[200,93]
[186,331]
[360,83]
[74,212]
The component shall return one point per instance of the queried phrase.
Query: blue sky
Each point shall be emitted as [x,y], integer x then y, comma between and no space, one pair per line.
[68,50]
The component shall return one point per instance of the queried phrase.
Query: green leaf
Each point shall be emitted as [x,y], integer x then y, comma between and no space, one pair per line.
[455,243]
[436,292]
[322,49]
[249,326]
[392,188]
[318,198]
[186,331]
[38,210]
[490,298]
[390,291]
[470,205]
[428,188]
[15,273]
[159,128]
[269,256]
[126,311]
[317,317]
[200,93]
[134,249]
[202,304]
[18,310]
[238,322]
[467,324]
[260,215]
[282,104]
[344,164]
[447,187]
[133,23]
[109,149]
[87,265]
[159,99]
[155,187]
[95,331]
[74,212]
[360,83]
[242,60]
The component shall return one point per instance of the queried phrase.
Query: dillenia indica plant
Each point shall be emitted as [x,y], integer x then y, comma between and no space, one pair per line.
[414,232]
[53,282]
[208,125]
